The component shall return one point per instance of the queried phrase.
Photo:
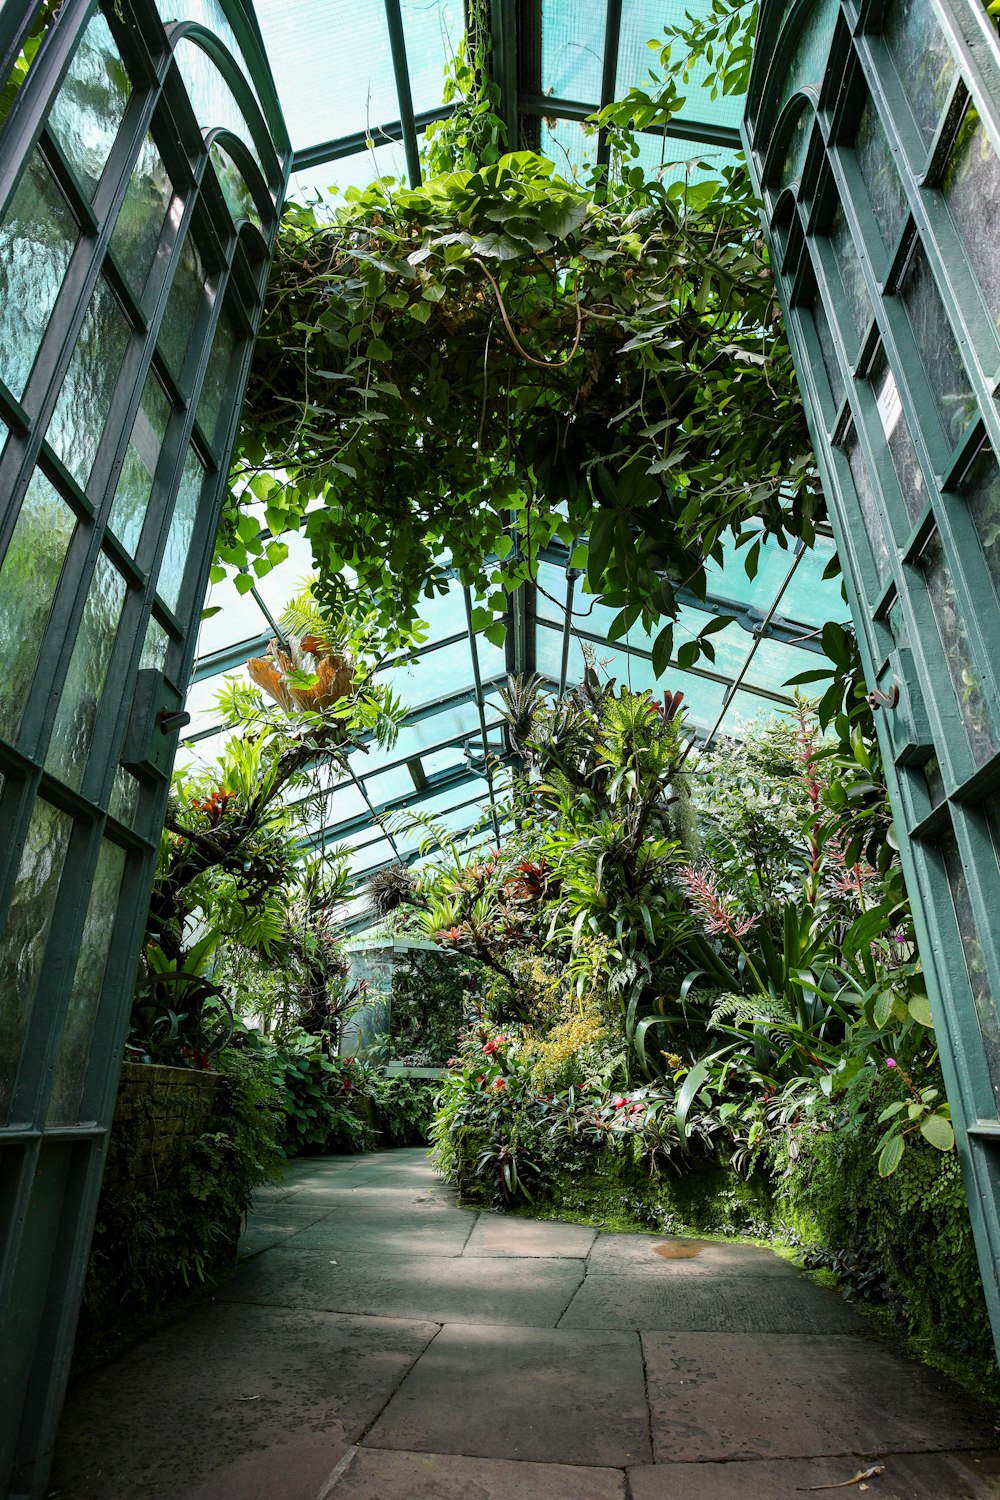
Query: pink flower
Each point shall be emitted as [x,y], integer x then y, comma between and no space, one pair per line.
[620,1103]
[890,1062]
[711,904]
[490,1048]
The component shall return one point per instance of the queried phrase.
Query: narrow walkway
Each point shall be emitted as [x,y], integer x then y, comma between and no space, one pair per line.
[379,1343]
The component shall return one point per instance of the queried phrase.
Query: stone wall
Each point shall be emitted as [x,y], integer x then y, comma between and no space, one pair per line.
[160,1113]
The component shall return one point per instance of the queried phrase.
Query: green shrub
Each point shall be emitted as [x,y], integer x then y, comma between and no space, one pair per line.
[321,1100]
[405,1108]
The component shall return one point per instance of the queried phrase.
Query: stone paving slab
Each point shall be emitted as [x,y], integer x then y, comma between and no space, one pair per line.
[502,1234]
[431,1288]
[400,1234]
[726,1396]
[538,1395]
[702,1305]
[223,1391]
[668,1255]
[924,1476]
[373,1474]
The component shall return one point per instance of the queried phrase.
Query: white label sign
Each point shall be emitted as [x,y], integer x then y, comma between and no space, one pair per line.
[890,408]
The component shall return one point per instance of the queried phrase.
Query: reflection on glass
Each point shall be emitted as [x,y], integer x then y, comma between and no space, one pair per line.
[971,186]
[812,50]
[957,653]
[795,152]
[827,350]
[936,345]
[154,647]
[124,797]
[881,177]
[80,413]
[181,531]
[139,226]
[867,503]
[81,694]
[183,306]
[37,237]
[78,1027]
[216,377]
[141,457]
[23,935]
[922,59]
[934,779]
[208,13]
[239,199]
[88,110]
[213,101]
[975,962]
[28,578]
[897,436]
[851,275]
[981,490]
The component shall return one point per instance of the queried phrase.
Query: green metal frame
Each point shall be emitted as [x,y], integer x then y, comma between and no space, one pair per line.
[872,132]
[50,1170]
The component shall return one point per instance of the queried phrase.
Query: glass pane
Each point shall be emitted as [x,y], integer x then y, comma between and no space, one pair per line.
[209,13]
[183,306]
[37,237]
[139,226]
[936,345]
[81,411]
[81,694]
[975,962]
[181,531]
[922,59]
[867,503]
[78,1028]
[573,50]
[23,937]
[154,647]
[28,577]
[966,680]
[971,186]
[433,32]
[333,68]
[239,199]
[827,350]
[897,435]
[811,52]
[216,377]
[795,152]
[851,275]
[88,110]
[213,101]
[141,457]
[879,172]
[124,797]
[981,489]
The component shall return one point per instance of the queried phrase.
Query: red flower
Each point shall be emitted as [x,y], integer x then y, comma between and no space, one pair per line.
[490,1048]
[620,1103]
[500,1083]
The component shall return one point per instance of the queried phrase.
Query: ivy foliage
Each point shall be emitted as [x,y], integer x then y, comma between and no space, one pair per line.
[465,371]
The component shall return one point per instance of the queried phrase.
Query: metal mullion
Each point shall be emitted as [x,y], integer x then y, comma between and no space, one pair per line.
[642,654]
[609,72]
[480,704]
[27,115]
[461,776]
[16,25]
[413,854]
[345,146]
[503,24]
[17,802]
[738,681]
[700,131]
[10,1242]
[572,574]
[404,96]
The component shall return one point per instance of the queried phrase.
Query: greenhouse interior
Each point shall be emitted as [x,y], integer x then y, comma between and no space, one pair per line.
[500,749]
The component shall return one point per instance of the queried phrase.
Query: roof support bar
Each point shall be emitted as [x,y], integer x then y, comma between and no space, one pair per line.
[503,17]
[397,44]
[480,704]
[737,680]
[572,574]
[609,74]
[708,133]
[351,145]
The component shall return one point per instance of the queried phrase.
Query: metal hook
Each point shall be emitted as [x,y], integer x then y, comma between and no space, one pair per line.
[877,699]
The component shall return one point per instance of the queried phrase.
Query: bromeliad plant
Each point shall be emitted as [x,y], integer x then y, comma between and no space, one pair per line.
[228,862]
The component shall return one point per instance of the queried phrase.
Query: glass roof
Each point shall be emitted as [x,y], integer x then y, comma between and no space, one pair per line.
[351,100]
